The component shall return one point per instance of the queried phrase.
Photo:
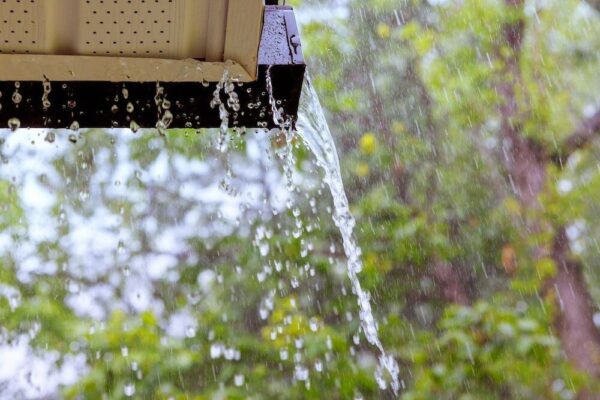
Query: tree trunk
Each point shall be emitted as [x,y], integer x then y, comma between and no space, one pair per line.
[451,283]
[526,164]
[574,324]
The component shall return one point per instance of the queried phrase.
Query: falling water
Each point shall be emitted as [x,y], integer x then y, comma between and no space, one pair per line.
[313,129]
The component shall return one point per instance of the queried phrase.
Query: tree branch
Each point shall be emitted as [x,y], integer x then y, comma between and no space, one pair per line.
[580,138]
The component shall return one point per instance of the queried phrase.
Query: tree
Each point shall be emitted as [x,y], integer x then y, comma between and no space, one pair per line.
[159,267]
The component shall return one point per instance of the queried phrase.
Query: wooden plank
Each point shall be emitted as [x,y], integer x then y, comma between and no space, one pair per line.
[29,67]
[242,37]
[215,38]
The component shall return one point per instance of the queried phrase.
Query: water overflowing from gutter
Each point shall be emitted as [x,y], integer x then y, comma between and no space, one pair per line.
[313,129]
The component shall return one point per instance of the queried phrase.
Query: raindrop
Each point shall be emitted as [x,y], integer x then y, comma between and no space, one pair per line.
[74,126]
[134,126]
[16,97]
[264,249]
[167,118]
[283,354]
[301,373]
[50,137]
[238,380]
[318,366]
[215,351]
[162,129]
[130,107]
[14,124]
[45,96]
[129,389]
[73,138]
[190,332]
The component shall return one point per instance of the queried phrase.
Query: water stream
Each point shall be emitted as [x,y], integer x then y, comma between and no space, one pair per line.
[313,129]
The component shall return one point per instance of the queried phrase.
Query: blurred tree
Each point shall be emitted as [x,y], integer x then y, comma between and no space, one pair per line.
[479,83]
[466,130]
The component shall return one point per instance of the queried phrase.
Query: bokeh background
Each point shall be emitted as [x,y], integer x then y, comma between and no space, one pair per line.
[135,265]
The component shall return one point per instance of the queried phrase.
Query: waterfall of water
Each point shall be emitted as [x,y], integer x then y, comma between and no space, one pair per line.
[313,129]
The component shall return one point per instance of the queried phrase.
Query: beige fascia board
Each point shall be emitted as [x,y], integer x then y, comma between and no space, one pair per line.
[29,67]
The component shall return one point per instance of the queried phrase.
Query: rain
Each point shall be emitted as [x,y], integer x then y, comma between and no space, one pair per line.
[415,218]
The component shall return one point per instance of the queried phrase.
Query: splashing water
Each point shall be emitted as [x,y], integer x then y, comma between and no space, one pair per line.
[285,127]
[225,85]
[313,129]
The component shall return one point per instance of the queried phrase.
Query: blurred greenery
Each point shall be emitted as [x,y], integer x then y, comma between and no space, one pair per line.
[411,92]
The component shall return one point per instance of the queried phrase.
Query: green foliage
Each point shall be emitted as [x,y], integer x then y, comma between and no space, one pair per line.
[412,92]
[488,352]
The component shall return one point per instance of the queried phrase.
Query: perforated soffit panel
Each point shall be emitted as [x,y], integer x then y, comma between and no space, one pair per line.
[209,30]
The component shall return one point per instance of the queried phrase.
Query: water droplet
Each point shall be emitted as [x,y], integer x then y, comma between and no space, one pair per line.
[190,331]
[50,137]
[73,138]
[283,354]
[301,373]
[318,366]
[238,380]
[215,350]
[264,249]
[129,389]
[124,351]
[167,118]
[134,126]
[14,124]
[160,126]
[45,96]
[130,108]
[114,109]
[74,126]
[16,97]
